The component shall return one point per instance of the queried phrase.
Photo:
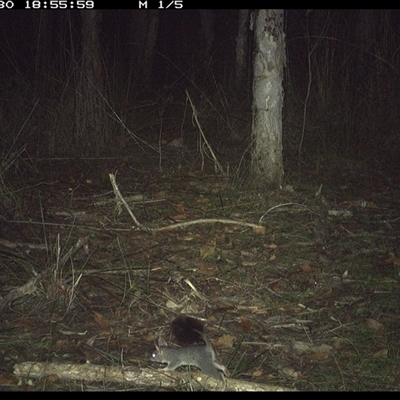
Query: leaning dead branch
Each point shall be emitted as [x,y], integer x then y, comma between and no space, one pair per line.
[217,164]
[120,200]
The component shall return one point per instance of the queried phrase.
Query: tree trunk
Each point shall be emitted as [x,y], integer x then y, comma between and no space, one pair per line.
[241,51]
[269,60]
[207,30]
[145,36]
[44,62]
[91,124]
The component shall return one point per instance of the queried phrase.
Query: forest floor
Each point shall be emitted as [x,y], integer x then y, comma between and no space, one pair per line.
[309,301]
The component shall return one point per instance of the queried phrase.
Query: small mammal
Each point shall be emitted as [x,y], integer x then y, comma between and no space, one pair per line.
[186,330]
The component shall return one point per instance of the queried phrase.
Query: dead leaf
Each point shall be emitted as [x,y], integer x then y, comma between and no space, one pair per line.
[326,292]
[52,378]
[172,305]
[271,246]
[61,344]
[306,347]
[260,230]
[203,201]
[208,271]
[358,203]
[277,286]
[101,321]
[29,324]
[370,204]
[374,326]
[348,318]
[180,207]
[245,324]
[6,379]
[382,352]
[289,372]
[348,354]
[106,333]
[392,259]
[225,341]
[306,267]
[324,258]
[257,373]
[80,353]
[159,195]
[208,249]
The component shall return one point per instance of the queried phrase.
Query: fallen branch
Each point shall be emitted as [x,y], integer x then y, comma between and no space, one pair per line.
[139,377]
[120,199]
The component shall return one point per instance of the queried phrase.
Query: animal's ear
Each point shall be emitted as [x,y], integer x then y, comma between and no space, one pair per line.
[161,342]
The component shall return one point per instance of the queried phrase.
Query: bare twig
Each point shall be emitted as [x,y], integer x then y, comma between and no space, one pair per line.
[120,199]
[216,162]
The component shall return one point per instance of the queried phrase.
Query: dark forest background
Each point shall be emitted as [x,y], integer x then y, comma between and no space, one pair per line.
[341,84]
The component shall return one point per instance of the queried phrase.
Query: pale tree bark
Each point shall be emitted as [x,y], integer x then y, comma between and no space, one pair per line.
[269,60]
